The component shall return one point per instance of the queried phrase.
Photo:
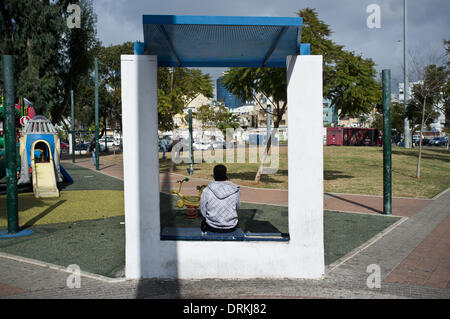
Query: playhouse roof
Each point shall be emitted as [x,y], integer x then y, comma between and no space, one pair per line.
[39,125]
[219,41]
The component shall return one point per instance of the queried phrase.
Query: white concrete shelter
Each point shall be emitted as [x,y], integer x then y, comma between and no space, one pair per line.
[147,256]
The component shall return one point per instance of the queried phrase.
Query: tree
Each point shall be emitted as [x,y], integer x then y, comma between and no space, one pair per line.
[259,85]
[50,58]
[446,91]
[348,79]
[110,100]
[206,115]
[224,119]
[78,44]
[397,116]
[425,97]
[351,85]
[177,87]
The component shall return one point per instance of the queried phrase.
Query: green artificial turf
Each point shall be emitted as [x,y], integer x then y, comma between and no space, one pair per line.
[92,196]
[70,206]
[96,246]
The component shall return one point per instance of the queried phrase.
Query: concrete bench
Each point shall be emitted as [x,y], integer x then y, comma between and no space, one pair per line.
[195,233]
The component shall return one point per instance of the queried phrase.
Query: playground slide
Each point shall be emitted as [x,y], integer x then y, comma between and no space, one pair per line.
[44,180]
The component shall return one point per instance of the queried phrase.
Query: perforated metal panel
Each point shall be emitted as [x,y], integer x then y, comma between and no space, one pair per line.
[39,125]
[198,41]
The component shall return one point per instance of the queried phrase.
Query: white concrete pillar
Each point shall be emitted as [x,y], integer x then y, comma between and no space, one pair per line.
[140,161]
[305,160]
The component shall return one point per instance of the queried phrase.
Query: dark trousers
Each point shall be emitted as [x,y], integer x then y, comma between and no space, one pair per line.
[205,227]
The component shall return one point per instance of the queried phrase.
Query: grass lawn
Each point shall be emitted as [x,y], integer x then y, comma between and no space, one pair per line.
[357,170]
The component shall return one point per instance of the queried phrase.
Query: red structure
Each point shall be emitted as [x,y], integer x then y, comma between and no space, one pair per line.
[353,136]
[334,136]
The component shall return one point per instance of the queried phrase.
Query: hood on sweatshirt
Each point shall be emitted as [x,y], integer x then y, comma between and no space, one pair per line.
[223,190]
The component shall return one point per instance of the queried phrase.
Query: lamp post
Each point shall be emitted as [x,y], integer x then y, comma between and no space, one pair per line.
[97,148]
[73,125]
[191,146]
[405,75]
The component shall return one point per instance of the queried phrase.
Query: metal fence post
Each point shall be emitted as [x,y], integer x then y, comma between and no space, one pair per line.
[387,143]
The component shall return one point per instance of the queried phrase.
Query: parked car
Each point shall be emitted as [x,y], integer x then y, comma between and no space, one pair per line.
[64,146]
[219,144]
[117,141]
[201,146]
[81,149]
[416,140]
[442,141]
[109,143]
[425,141]
[434,141]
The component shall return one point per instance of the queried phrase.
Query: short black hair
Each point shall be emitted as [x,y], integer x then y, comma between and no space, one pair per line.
[220,173]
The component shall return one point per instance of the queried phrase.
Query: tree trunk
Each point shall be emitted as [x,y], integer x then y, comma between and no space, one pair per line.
[420,141]
[276,124]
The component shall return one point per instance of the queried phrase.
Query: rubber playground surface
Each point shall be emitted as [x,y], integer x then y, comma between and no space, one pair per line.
[85,225]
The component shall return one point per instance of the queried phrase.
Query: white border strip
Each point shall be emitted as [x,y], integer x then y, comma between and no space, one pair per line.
[60,268]
[440,194]
[377,196]
[364,213]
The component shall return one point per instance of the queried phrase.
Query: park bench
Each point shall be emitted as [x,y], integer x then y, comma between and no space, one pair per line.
[195,233]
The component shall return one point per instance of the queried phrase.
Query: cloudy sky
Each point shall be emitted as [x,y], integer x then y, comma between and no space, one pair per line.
[428,23]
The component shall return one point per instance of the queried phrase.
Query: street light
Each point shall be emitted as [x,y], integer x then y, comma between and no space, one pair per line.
[405,75]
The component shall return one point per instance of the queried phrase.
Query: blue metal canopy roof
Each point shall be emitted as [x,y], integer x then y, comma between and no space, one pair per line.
[218,41]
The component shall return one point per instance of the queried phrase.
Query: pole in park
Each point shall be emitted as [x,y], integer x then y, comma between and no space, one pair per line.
[10,144]
[9,129]
[73,125]
[387,143]
[97,148]
[407,138]
[268,122]
[191,146]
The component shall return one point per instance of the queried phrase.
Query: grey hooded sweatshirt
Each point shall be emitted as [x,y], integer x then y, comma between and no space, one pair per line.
[219,204]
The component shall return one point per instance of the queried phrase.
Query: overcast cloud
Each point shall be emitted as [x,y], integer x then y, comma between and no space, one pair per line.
[428,23]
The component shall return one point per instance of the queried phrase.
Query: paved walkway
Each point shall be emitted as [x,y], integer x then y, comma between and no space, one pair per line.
[412,259]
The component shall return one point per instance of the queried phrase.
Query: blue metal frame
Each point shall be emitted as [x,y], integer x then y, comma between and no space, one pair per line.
[218,41]
[274,45]
[139,48]
[222,20]
[169,44]
[305,48]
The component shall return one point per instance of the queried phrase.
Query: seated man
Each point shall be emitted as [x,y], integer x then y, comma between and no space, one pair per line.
[219,203]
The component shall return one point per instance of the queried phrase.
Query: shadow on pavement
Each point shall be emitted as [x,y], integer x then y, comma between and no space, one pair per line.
[355,203]
[35,219]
